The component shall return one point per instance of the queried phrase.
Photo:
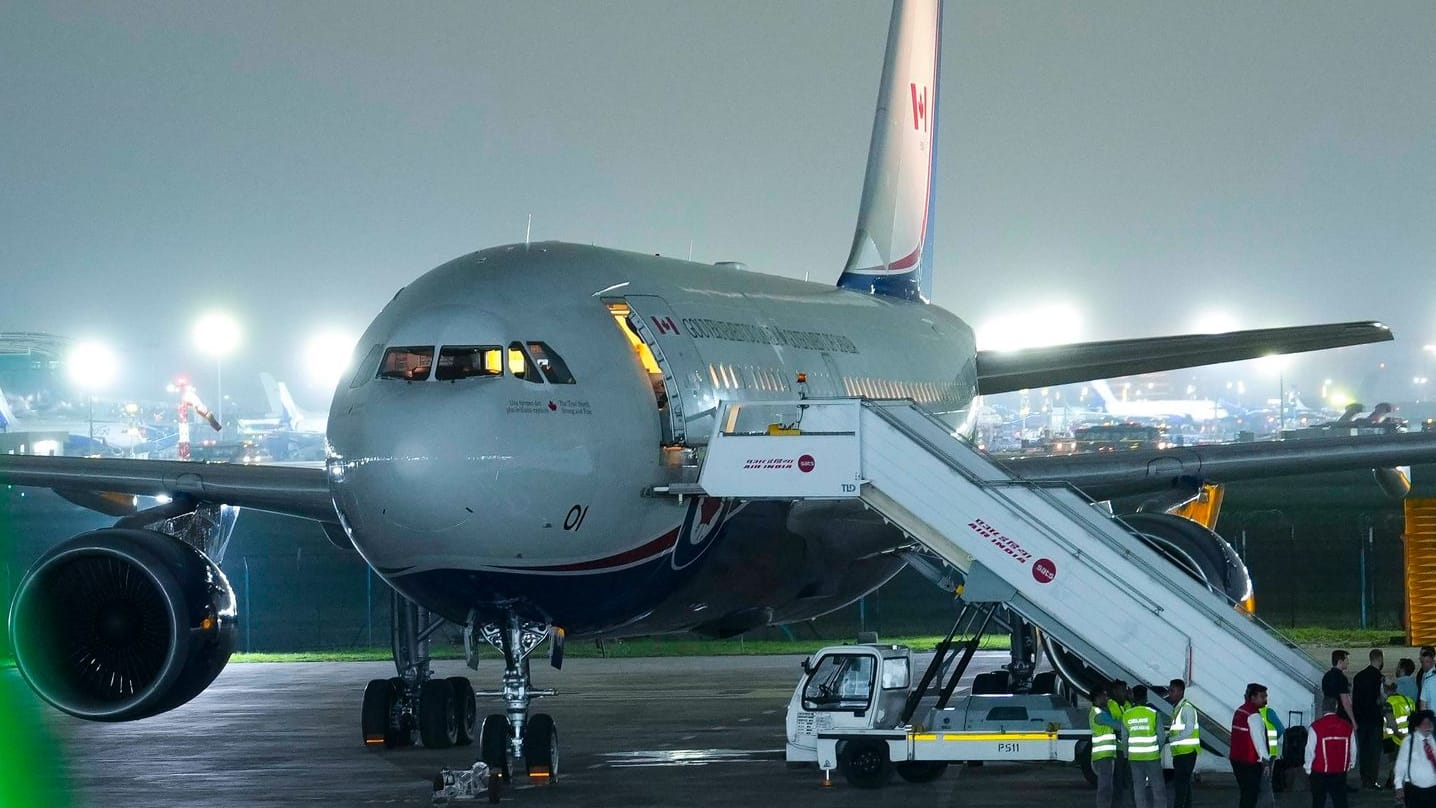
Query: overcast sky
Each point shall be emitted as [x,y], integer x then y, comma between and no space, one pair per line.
[296,163]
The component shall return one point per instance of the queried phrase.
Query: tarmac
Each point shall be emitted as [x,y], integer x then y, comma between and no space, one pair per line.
[633,732]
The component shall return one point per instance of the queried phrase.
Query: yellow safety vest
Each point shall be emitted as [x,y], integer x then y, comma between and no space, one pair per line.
[1104,738]
[1401,709]
[1141,723]
[1270,734]
[1184,717]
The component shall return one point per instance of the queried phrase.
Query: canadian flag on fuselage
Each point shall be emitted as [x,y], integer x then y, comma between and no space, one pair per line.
[892,248]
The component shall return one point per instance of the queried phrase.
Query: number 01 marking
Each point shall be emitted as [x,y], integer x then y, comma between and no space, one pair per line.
[574,520]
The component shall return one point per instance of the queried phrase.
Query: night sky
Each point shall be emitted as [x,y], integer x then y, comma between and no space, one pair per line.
[1147,165]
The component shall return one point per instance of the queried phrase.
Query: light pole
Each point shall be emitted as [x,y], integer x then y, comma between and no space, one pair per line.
[217,334]
[91,366]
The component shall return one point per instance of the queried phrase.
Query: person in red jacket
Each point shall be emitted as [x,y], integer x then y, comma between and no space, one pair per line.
[1330,754]
[1250,755]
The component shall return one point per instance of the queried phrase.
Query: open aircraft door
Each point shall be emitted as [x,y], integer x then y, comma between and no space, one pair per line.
[692,404]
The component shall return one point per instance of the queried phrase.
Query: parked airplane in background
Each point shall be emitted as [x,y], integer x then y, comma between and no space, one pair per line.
[284,414]
[113,435]
[1187,409]
[495,445]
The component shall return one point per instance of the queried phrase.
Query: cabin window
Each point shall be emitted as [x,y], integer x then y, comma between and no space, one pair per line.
[520,365]
[550,364]
[467,361]
[840,682]
[411,364]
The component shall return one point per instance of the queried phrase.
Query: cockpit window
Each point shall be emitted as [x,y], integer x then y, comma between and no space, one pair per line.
[467,361]
[411,364]
[553,367]
[520,366]
[361,369]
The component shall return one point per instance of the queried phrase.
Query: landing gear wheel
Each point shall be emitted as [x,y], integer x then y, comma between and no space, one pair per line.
[401,727]
[466,712]
[1084,762]
[865,763]
[1044,683]
[990,683]
[920,771]
[438,726]
[541,748]
[375,714]
[494,745]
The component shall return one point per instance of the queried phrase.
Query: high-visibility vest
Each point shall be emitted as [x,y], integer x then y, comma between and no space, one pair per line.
[1141,723]
[1331,736]
[1114,708]
[1270,732]
[1401,708]
[1104,738]
[1184,717]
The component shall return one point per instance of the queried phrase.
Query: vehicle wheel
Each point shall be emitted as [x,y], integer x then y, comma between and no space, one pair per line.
[541,748]
[438,727]
[920,771]
[401,728]
[1045,683]
[466,712]
[374,715]
[986,684]
[1084,762]
[494,745]
[865,763]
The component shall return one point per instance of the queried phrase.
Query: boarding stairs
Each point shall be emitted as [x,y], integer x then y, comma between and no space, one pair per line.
[1062,562]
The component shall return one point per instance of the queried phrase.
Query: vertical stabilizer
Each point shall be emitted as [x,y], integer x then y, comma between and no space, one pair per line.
[289,413]
[892,248]
[271,393]
[1104,392]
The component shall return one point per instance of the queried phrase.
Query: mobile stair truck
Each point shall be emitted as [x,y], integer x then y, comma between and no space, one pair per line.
[1043,551]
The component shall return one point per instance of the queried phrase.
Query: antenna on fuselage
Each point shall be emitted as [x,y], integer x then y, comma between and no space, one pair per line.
[528,228]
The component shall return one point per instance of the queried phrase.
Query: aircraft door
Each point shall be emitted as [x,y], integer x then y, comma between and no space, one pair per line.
[690,403]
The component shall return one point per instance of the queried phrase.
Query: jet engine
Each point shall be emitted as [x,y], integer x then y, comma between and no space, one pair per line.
[120,624]
[1195,549]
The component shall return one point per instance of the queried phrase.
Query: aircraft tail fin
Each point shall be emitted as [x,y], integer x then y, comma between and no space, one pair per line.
[289,411]
[1104,392]
[7,415]
[892,247]
[271,392]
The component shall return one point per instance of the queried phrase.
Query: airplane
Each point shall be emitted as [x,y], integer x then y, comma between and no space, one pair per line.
[1196,410]
[494,446]
[286,414]
[111,435]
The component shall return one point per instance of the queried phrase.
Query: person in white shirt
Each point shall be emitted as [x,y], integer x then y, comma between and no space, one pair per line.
[1416,764]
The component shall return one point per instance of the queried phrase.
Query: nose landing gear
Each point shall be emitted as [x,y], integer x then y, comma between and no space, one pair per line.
[514,735]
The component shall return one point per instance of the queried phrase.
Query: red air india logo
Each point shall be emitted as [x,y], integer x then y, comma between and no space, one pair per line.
[919,108]
[1044,571]
[806,463]
[665,325]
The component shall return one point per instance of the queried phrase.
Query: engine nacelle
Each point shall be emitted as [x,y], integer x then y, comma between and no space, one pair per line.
[119,624]
[1198,551]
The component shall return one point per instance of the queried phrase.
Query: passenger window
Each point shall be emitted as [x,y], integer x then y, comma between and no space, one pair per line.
[467,361]
[553,367]
[520,366]
[410,364]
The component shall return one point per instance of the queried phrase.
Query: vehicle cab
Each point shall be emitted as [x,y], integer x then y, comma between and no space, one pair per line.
[846,687]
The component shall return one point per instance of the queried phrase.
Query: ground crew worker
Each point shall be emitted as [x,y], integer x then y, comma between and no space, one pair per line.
[1144,751]
[1397,711]
[1184,741]
[1330,754]
[1274,731]
[1250,753]
[1104,746]
[1117,703]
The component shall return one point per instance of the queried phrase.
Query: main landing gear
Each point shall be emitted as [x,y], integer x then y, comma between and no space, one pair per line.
[443,712]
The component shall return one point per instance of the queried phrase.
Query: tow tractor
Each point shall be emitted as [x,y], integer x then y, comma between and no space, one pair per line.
[853,711]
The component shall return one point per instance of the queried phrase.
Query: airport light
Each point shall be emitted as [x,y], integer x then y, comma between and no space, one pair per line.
[1215,322]
[326,357]
[217,334]
[92,366]
[1032,327]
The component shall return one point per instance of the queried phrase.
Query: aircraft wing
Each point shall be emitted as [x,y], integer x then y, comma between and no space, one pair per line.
[1104,476]
[1005,371]
[301,491]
